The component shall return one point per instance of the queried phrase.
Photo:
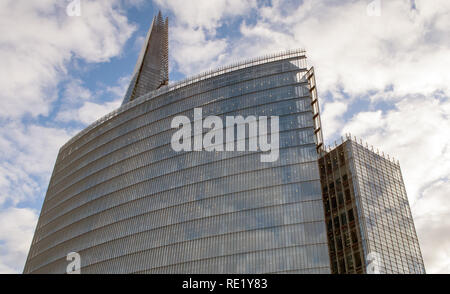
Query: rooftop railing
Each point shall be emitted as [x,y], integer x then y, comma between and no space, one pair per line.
[188,81]
[348,137]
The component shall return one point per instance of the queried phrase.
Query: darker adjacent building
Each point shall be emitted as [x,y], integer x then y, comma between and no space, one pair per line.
[369,223]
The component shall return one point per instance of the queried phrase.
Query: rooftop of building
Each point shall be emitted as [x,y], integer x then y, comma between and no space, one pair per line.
[348,137]
[289,54]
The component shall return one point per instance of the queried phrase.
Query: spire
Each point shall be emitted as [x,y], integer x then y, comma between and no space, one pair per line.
[152,68]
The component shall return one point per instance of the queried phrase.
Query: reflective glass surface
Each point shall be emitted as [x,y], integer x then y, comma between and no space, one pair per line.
[123,199]
[385,217]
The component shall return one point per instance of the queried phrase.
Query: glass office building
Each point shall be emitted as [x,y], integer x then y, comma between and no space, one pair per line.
[123,199]
[126,202]
[369,223]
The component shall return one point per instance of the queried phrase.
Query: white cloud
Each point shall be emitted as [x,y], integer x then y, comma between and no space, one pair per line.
[120,89]
[75,92]
[206,14]
[135,3]
[331,116]
[38,43]
[35,54]
[15,238]
[400,58]
[433,223]
[77,103]
[193,53]
[90,112]
[348,48]
[417,125]
[27,157]
[194,45]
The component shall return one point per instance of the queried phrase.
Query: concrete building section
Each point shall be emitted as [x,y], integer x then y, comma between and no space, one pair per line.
[369,223]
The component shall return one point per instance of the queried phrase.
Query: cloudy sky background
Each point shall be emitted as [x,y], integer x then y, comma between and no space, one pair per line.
[385,79]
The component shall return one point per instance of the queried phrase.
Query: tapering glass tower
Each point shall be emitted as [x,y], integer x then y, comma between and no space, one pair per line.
[152,68]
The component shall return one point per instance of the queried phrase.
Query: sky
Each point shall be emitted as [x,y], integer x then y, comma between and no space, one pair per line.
[382,70]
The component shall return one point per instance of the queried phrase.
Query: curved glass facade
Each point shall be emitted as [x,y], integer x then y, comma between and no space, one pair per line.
[123,199]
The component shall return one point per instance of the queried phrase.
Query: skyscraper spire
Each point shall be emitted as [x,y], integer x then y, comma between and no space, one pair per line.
[152,68]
